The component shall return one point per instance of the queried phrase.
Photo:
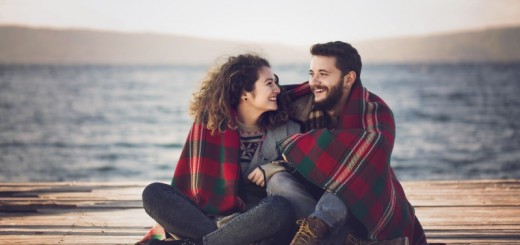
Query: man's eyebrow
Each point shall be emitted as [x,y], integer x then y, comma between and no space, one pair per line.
[320,70]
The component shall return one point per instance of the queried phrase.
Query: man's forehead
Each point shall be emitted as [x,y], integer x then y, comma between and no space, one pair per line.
[323,62]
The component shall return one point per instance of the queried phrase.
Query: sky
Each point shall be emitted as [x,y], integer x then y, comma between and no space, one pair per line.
[292,22]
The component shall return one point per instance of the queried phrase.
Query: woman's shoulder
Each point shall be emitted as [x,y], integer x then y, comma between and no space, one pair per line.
[288,128]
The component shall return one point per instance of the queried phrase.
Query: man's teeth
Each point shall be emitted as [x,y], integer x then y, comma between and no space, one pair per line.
[318,90]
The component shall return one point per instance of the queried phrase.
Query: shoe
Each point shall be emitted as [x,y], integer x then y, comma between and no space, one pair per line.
[311,229]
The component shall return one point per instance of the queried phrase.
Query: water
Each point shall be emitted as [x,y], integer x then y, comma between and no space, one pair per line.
[103,123]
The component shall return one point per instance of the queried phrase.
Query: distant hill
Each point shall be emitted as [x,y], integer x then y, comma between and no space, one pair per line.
[491,45]
[30,45]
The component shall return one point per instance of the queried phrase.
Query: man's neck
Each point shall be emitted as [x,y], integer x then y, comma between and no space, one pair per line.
[336,110]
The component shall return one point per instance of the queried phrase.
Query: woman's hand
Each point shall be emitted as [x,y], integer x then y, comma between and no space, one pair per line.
[257,177]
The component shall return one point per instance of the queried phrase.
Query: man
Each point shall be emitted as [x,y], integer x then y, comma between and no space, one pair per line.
[346,150]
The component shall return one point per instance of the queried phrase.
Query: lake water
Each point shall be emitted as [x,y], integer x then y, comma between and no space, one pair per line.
[103,123]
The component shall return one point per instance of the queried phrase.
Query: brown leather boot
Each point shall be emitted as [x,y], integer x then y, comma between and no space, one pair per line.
[311,229]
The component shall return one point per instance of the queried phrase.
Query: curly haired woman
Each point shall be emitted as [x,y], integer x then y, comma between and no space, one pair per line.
[217,195]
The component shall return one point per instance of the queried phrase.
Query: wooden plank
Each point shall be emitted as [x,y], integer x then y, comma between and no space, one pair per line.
[454,212]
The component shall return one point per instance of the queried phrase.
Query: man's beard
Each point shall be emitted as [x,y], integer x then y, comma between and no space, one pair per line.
[334,95]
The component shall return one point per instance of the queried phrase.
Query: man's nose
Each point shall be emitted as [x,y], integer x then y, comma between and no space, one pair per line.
[313,80]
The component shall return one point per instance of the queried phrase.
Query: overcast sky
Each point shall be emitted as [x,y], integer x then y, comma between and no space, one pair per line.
[296,22]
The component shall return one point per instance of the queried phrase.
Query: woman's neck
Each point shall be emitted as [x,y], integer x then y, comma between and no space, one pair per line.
[247,121]
[248,118]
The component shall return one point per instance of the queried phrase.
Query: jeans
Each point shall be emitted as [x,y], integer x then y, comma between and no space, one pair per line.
[179,215]
[328,208]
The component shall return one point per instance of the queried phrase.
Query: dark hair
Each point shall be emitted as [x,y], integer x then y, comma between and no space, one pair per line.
[222,88]
[347,57]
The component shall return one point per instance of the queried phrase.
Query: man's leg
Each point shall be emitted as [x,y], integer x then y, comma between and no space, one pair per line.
[285,185]
[331,210]
[324,224]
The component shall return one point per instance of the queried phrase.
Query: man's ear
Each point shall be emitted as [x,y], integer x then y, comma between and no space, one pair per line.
[349,79]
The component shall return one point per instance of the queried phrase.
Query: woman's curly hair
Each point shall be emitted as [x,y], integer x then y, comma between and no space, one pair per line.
[216,102]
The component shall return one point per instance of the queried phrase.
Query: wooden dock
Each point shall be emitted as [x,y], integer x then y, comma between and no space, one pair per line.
[453,212]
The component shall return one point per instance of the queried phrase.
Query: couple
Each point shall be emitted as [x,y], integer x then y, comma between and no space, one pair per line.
[259,156]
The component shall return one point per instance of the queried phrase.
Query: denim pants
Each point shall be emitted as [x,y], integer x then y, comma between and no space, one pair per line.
[179,215]
[328,208]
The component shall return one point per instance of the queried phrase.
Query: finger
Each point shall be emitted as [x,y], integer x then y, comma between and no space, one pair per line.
[257,178]
[252,175]
[259,182]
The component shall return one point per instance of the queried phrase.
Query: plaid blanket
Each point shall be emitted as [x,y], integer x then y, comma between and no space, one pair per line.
[353,162]
[208,170]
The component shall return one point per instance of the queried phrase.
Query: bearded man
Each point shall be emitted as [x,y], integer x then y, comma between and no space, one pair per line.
[345,151]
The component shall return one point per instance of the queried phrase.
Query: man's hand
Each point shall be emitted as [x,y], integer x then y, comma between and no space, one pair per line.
[257,177]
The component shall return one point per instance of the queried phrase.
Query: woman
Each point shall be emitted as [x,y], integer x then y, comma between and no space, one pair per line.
[217,195]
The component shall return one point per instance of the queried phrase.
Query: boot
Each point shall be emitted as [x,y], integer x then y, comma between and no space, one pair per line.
[311,229]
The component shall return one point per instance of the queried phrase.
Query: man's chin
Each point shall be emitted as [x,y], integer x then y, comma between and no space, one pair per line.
[318,100]
[320,105]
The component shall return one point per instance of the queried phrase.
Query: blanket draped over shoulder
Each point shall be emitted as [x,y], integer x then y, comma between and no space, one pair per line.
[353,162]
[208,171]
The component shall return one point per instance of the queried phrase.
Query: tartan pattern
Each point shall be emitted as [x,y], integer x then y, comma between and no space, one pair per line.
[317,119]
[208,170]
[353,162]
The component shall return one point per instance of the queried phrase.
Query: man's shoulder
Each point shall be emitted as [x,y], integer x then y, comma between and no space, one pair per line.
[301,100]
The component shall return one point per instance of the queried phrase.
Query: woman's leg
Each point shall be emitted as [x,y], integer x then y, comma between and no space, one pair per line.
[175,212]
[271,215]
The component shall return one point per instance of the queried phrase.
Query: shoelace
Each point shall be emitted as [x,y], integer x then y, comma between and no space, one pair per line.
[304,234]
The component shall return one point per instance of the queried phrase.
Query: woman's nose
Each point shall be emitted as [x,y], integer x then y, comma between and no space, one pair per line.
[277,89]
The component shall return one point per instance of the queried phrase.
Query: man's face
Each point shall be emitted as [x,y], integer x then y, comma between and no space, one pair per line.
[326,81]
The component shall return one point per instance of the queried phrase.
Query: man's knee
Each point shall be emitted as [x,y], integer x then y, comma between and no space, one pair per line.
[280,183]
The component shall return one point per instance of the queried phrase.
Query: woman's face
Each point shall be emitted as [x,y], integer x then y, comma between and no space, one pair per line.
[263,96]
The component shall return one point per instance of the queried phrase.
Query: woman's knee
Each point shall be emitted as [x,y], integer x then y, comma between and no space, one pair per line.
[150,192]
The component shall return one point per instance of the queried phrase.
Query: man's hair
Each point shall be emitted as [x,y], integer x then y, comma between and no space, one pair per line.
[218,98]
[347,57]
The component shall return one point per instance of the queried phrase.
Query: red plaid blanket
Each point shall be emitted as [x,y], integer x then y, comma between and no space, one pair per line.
[353,161]
[208,170]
